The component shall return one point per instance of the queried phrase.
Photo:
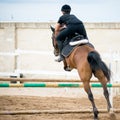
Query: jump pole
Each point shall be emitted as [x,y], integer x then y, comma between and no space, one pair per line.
[56,85]
[40,80]
[21,112]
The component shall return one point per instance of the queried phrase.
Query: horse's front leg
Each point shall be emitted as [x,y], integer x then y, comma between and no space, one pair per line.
[56,52]
[90,96]
[66,66]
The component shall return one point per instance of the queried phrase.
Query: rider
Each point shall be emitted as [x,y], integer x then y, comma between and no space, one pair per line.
[73,25]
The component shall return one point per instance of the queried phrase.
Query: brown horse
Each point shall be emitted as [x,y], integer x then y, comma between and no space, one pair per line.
[87,61]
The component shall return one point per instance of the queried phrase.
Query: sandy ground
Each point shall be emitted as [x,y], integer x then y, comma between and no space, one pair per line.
[53,103]
[49,92]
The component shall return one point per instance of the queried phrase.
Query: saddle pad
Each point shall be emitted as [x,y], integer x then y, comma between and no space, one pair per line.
[67,50]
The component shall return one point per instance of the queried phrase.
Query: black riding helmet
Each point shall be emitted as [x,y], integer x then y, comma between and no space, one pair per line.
[66,8]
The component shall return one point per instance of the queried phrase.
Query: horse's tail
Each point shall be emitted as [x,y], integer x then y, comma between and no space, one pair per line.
[96,63]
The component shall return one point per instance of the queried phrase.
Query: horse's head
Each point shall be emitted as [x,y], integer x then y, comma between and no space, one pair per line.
[54,42]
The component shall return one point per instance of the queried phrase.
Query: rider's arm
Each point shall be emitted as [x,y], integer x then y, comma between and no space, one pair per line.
[57,29]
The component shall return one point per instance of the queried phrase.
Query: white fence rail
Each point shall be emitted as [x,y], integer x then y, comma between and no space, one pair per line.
[112,58]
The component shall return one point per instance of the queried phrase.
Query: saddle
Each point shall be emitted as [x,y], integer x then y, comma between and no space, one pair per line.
[71,43]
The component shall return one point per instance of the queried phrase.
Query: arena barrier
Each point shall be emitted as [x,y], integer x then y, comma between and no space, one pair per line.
[94,85]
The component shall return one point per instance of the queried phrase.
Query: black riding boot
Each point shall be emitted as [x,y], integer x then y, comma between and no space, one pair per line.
[61,57]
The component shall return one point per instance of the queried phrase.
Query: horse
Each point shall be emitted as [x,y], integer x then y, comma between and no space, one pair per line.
[87,61]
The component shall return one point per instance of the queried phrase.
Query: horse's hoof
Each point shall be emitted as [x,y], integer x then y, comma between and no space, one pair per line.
[95,113]
[96,119]
[111,110]
[112,114]
[67,68]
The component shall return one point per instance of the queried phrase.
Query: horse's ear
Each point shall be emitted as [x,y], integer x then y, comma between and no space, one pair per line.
[52,28]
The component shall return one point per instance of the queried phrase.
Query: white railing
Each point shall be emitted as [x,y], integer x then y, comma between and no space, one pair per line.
[113,59]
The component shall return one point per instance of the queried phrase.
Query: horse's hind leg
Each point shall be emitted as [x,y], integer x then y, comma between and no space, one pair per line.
[90,96]
[104,81]
[106,94]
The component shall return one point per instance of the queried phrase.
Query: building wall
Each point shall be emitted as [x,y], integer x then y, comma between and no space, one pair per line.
[27,47]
